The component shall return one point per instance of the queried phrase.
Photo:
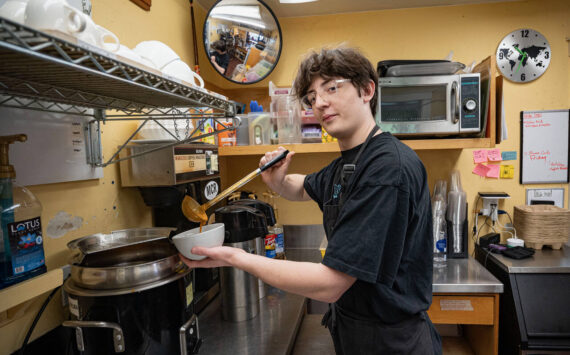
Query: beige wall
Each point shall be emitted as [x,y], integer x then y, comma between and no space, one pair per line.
[102,203]
[472,32]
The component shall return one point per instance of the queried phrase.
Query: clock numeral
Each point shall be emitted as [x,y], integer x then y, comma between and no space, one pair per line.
[501,55]
[523,77]
[546,55]
[524,33]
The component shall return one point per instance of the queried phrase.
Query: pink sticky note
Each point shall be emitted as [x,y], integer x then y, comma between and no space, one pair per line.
[494,154]
[479,156]
[480,170]
[494,171]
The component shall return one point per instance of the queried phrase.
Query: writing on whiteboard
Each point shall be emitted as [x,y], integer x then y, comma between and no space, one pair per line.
[535,123]
[554,166]
[537,155]
[532,115]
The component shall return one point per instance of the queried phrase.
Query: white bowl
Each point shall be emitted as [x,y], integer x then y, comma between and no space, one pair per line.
[212,236]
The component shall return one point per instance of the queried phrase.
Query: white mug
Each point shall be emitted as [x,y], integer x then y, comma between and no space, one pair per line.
[157,52]
[182,71]
[125,52]
[14,10]
[54,15]
[97,35]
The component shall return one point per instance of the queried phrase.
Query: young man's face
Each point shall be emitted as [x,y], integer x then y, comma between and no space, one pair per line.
[337,105]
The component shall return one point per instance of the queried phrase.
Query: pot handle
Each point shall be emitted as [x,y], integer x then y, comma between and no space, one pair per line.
[118,338]
[192,327]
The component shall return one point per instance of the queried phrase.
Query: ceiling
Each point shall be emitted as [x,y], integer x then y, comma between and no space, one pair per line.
[327,7]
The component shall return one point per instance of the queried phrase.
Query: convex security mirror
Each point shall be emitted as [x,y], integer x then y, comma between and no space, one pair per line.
[242,39]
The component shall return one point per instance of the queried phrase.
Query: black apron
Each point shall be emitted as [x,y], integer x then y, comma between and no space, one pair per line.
[353,334]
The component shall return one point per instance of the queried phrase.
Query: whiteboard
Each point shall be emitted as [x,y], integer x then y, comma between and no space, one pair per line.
[544,146]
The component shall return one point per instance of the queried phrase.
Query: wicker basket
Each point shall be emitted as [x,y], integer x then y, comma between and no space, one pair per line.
[542,225]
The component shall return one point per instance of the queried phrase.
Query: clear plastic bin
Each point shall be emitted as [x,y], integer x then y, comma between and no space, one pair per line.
[259,128]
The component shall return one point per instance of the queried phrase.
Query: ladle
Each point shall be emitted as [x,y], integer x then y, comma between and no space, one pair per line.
[197,213]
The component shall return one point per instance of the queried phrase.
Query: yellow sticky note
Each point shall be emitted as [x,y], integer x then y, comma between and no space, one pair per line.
[507,171]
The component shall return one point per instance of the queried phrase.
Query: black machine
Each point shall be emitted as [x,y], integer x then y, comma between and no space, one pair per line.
[534,310]
[166,202]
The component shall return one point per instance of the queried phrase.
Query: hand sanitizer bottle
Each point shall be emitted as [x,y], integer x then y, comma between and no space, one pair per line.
[21,241]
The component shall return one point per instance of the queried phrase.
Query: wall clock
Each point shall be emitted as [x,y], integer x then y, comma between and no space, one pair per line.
[523,55]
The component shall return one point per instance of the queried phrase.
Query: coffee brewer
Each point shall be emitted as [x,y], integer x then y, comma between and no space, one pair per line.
[269,213]
[244,227]
[163,178]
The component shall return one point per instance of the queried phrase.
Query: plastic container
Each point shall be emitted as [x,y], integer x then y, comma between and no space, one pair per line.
[279,241]
[311,131]
[242,131]
[259,128]
[21,240]
[286,112]
[439,207]
[180,128]
[285,109]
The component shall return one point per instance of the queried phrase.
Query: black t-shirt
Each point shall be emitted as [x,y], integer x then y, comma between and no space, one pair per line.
[222,59]
[383,233]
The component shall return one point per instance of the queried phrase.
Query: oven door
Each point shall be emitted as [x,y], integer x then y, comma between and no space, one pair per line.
[414,106]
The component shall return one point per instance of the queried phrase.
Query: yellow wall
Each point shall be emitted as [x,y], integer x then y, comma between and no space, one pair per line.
[472,32]
[102,203]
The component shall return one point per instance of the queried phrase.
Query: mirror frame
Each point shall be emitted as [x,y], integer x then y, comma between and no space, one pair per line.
[204,34]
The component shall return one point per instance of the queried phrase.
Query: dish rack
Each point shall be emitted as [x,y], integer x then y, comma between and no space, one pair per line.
[541,225]
[44,72]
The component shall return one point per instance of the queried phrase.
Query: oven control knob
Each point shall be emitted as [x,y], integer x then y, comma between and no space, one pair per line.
[470,105]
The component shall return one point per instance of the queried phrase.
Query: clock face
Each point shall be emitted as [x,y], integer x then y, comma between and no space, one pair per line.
[523,55]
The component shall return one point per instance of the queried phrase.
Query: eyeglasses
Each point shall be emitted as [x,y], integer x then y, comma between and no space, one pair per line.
[326,92]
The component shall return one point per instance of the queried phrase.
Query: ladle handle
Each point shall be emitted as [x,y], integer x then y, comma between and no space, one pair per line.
[274,161]
[244,181]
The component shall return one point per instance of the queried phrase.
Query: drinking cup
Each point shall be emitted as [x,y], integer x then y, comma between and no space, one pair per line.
[128,53]
[55,15]
[157,52]
[182,71]
[14,10]
[98,36]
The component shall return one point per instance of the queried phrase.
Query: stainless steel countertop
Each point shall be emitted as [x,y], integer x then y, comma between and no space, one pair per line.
[272,331]
[465,276]
[545,261]
[459,276]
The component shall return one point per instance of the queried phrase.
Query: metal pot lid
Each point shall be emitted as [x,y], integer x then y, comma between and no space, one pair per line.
[116,239]
[126,276]
[71,287]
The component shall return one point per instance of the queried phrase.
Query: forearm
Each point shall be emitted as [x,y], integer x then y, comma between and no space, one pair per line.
[220,69]
[312,280]
[292,188]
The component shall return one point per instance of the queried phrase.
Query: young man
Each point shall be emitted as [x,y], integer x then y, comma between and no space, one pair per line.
[377,269]
[219,56]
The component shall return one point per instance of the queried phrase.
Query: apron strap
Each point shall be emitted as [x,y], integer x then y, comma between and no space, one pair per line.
[349,169]
[329,319]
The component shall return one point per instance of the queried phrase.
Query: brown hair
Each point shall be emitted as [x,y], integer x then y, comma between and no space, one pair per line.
[347,63]
[219,45]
